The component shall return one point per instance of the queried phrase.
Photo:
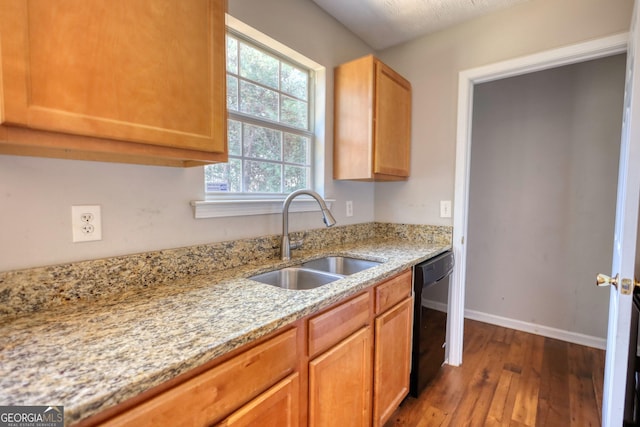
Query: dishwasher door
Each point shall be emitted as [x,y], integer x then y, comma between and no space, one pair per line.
[431,289]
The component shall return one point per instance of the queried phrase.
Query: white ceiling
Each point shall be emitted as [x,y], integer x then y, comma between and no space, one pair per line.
[385,23]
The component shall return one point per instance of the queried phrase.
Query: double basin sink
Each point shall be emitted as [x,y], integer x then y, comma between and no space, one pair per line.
[314,273]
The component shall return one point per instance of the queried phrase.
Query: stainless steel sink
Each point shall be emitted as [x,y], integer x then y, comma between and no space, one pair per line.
[296,278]
[340,265]
[315,273]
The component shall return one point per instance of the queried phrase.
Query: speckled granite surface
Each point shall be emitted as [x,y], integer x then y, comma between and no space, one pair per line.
[26,291]
[95,346]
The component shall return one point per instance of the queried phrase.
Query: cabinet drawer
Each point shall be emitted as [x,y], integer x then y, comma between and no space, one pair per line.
[393,291]
[330,327]
[210,396]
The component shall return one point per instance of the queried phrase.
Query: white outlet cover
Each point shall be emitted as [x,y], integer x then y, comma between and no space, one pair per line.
[81,229]
[445,209]
[349,206]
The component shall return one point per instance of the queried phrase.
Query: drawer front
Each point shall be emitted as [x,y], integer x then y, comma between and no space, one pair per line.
[393,291]
[217,392]
[330,327]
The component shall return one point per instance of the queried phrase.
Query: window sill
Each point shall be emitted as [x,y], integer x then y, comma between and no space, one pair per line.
[236,207]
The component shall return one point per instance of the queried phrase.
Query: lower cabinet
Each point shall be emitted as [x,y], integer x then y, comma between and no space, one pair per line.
[345,366]
[276,407]
[360,379]
[392,361]
[340,384]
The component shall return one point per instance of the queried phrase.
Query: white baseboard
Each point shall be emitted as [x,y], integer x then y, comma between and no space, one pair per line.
[435,305]
[545,331]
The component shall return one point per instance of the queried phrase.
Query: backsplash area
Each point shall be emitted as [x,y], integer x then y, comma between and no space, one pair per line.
[35,289]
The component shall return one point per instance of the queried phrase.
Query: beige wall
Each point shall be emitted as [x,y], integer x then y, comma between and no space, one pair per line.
[147,208]
[544,163]
[432,64]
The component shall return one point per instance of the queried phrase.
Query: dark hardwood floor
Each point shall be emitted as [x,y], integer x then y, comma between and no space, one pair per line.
[511,378]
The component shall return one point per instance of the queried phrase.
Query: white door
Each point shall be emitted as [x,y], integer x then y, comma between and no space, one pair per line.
[625,245]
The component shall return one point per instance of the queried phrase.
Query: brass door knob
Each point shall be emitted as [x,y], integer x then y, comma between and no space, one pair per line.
[624,286]
[604,280]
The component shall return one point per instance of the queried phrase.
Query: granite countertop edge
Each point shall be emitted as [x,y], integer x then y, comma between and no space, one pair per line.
[92,356]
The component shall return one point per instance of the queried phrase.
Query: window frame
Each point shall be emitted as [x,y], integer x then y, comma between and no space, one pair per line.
[276,125]
[239,204]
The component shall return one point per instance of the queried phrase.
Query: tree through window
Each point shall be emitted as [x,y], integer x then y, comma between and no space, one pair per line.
[269,123]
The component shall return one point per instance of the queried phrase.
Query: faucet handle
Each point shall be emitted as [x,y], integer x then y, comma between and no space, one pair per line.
[296,244]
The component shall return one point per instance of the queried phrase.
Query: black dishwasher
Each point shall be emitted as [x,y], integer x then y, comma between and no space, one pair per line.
[431,291]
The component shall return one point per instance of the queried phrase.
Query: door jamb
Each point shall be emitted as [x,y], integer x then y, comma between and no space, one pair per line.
[572,54]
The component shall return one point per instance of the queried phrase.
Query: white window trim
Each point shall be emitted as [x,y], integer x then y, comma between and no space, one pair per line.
[246,207]
[241,205]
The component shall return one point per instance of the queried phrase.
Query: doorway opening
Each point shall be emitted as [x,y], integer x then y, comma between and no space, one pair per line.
[468,79]
[542,199]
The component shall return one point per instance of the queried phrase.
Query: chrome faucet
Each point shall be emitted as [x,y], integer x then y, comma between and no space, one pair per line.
[286,246]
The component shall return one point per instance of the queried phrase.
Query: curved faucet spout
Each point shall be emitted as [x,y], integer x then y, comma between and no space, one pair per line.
[329,220]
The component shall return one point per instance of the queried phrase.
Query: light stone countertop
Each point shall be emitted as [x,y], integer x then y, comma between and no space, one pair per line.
[91,355]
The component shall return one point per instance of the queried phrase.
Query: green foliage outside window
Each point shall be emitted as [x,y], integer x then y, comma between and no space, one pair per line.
[269,133]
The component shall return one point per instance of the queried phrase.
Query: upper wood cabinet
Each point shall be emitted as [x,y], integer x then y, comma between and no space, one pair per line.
[372,128]
[139,81]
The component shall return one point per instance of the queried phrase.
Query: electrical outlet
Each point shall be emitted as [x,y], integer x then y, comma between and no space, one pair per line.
[445,208]
[349,207]
[86,223]
[86,217]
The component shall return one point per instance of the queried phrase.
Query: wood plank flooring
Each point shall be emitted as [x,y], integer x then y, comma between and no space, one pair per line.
[511,378]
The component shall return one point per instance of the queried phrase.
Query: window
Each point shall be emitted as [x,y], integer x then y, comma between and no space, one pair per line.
[270,123]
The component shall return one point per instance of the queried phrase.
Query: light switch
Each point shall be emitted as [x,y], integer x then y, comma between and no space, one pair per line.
[445,208]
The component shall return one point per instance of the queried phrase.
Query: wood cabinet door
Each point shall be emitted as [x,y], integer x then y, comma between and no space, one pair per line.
[353,119]
[392,363]
[144,71]
[276,407]
[392,129]
[340,383]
